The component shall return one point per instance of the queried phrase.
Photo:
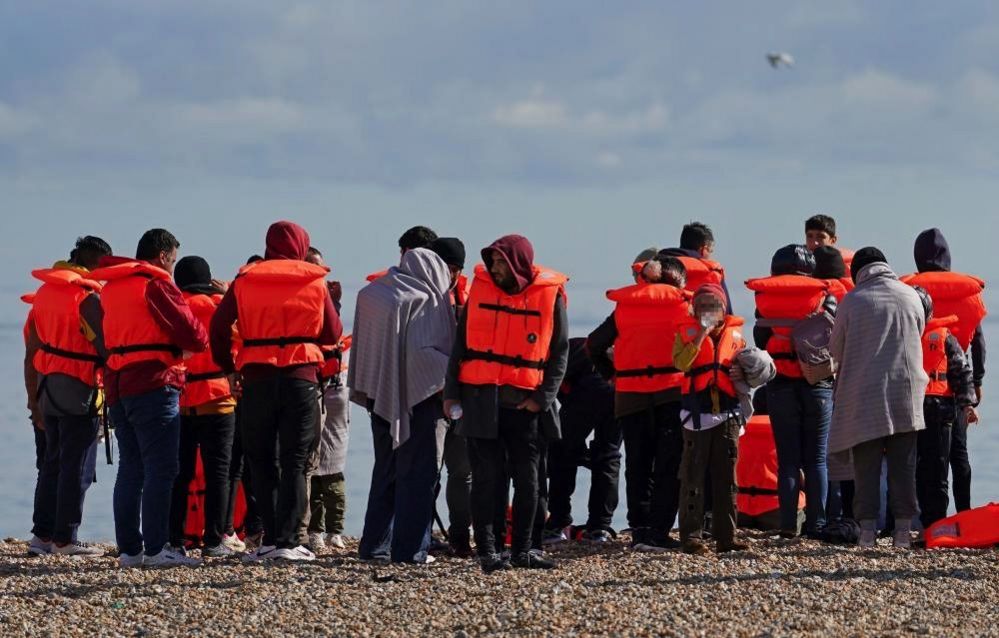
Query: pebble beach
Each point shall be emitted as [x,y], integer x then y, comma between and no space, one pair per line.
[777,588]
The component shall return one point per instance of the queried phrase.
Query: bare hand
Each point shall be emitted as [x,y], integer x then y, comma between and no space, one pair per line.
[222,286]
[530,405]
[235,384]
[970,415]
[449,403]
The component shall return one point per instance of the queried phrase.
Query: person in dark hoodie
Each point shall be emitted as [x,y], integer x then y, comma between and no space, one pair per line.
[207,421]
[964,298]
[286,315]
[509,359]
[64,345]
[148,328]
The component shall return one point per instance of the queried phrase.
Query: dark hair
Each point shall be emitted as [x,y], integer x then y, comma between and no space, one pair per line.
[89,250]
[313,251]
[696,236]
[674,272]
[254,259]
[416,237]
[824,223]
[155,241]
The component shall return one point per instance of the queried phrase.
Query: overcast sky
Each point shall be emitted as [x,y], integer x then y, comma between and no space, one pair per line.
[594,128]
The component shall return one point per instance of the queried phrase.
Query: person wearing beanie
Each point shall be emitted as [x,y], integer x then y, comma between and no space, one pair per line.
[829,265]
[646,406]
[705,348]
[207,423]
[933,266]
[880,387]
[452,251]
[286,315]
[800,408]
[506,367]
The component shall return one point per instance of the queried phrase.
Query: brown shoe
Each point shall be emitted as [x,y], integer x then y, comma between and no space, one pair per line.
[732,546]
[695,546]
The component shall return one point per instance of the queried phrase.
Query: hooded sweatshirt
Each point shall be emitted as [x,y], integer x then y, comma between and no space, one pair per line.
[285,240]
[403,333]
[481,403]
[932,254]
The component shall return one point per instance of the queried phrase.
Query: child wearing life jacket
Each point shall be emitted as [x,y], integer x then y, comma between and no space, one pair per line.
[705,348]
[951,390]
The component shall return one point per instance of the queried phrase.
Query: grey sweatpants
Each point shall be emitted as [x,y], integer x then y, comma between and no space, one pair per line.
[900,452]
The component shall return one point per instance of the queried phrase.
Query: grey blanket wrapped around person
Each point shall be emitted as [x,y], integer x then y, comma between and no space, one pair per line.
[404,328]
[751,369]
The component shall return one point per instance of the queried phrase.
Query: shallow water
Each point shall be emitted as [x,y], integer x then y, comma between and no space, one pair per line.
[17,471]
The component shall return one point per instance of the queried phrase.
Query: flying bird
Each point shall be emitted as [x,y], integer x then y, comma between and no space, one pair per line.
[777,59]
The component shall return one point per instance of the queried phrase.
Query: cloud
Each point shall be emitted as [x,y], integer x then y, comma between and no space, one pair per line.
[540,112]
[880,89]
[532,113]
[14,122]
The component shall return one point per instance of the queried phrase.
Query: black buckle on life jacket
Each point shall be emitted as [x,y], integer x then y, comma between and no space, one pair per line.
[648,371]
[517,361]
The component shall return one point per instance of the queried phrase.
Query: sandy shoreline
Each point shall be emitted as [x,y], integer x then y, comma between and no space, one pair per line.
[777,588]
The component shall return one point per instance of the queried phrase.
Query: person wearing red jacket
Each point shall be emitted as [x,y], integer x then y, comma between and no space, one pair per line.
[148,327]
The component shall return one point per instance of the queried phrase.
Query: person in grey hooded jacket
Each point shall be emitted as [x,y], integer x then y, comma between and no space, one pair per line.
[878,401]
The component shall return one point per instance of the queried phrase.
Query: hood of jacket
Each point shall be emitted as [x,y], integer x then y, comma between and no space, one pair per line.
[518,253]
[931,252]
[286,240]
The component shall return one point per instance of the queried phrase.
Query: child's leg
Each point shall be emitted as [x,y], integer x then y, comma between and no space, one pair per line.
[335,499]
[724,454]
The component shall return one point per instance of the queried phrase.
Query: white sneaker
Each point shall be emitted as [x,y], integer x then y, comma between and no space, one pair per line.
[336,540]
[316,542]
[262,553]
[430,560]
[232,542]
[299,553]
[127,560]
[77,548]
[39,547]
[169,558]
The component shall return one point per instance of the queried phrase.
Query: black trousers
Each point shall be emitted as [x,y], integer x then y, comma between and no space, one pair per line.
[279,428]
[933,459]
[239,472]
[565,456]
[60,490]
[212,434]
[653,444]
[960,465]
[517,445]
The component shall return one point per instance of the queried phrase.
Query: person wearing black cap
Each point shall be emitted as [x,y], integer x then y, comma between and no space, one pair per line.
[880,386]
[207,421]
[452,446]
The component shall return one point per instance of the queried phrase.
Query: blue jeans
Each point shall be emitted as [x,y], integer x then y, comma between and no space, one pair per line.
[800,414]
[401,500]
[147,427]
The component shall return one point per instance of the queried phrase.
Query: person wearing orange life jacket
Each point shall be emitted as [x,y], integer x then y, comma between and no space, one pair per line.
[800,412]
[820,230]
[323,524]
[148,326]
[451,447]
[286,315]
[64,348]
[697,245]
[207,421]
[648,392]
[415,237]
[505,370]
[705,348]
[958,294]
[950,391]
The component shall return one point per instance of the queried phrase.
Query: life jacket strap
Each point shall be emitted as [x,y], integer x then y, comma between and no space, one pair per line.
[708,369]
[332,354]
[757,491]
[69,354]
[205,376]
[280,342]
[514,361]
[510,310]
[783,356]
[147,347]
[938,376]
[648,371]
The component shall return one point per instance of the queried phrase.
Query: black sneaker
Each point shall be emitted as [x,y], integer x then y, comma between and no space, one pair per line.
[531,560]
[493,563]
[657,544]
[638,536]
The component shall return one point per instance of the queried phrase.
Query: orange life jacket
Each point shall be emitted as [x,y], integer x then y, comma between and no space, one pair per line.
[131,334]
[333,355]
[205,380]
[713,364]
[376,275]
[790,298]
[935,355]
[840,287]
[847,255]
[280,304]
[954,293]
[974,528]
[64,348]
[702,271]
[756,470]
[508,337]
[646,317]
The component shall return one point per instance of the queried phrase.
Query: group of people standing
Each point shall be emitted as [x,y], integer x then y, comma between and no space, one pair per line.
[477,374]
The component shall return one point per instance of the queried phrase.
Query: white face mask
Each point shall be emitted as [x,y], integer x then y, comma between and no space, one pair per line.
[711,318]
